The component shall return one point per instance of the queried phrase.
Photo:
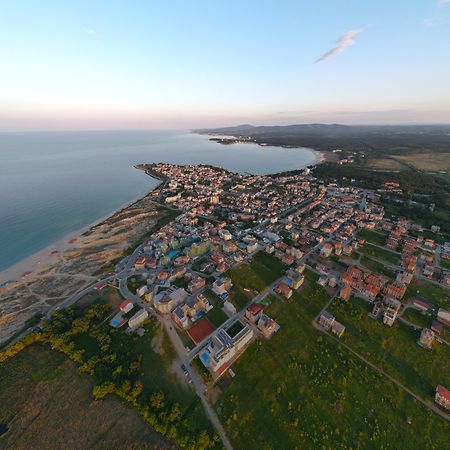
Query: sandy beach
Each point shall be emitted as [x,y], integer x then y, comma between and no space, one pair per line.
[47,277]
[32,264]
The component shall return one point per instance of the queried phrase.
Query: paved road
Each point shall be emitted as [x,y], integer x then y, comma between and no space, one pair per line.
[177,343]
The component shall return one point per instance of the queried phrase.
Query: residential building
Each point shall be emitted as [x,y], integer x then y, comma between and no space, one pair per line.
[126,306]
[267,326]
[196,284]
[326,250]
[426,338]
[326,320]
[222,348]
[442,397]
[389,316]
[420,303]
[138,319]
[337,328]
[443,316]
[221,286]
[253,312]
[166,301]
[283,289]
[345,293]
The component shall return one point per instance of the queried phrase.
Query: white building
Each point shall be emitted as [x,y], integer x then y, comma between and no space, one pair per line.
[138,319]
[225,234]
[222,348]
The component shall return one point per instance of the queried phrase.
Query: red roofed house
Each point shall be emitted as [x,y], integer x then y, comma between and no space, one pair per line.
[395,290]
[283,289]
[420,304]
[126,306]
[253,312]
[442,397]
[139,264]
[326,250]
[345,293]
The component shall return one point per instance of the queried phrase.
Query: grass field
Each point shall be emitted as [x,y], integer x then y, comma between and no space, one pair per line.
[217,316]
[379,253]
[384,164]
[302,390]
[417,318]
[374,237]
[376,266]
[256,275]
[394,349]
[432,162]
[108,293]
[437,295]
[46,403]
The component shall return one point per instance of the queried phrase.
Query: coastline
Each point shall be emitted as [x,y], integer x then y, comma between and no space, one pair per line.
[52,252]
[320,155]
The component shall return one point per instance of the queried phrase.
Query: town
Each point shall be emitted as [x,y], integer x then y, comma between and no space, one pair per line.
[248,272]
[242,240]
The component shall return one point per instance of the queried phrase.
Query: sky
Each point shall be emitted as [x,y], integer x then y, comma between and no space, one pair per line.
[97,64]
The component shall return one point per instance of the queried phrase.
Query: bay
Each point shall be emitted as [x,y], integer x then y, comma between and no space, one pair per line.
[54,183]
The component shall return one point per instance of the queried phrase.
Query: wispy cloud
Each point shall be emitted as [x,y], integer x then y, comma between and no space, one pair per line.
[432,21]
[442,2]
[90,32]
[344,41]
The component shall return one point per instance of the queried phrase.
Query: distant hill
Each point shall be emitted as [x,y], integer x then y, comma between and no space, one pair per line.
[380,138]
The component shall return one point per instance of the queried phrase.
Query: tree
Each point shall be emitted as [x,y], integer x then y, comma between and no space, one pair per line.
[101,390]
[157,400]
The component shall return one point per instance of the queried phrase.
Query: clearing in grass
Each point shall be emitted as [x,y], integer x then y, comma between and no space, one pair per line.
[253,277]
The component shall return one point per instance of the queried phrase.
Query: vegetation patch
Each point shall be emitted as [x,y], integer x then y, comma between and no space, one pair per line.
[217,316]
[127,366]
[437,295]
[301,389]
[394,349]
[376,266]
[256,275]
[380,253]
[374,237]
[417,318]
[48,402]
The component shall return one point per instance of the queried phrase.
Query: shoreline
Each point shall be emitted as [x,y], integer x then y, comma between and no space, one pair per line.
[320,155]
[44,256]
[28,265]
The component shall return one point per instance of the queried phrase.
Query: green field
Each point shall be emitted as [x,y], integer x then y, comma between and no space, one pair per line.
[437,295]
[312,296]
[374,237]
[47,403]
[256,275]
[217,316]
[302,390]
[376,267]
[394,349]
[379,253]
[417,318]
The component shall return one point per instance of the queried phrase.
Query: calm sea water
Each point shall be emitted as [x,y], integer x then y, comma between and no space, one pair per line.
[52,184]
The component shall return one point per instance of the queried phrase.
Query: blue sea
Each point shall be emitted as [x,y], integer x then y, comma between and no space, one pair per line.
[55,183]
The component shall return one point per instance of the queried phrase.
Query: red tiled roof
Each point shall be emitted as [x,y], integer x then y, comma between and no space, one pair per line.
[124,304]
[254,309]
[443,392]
